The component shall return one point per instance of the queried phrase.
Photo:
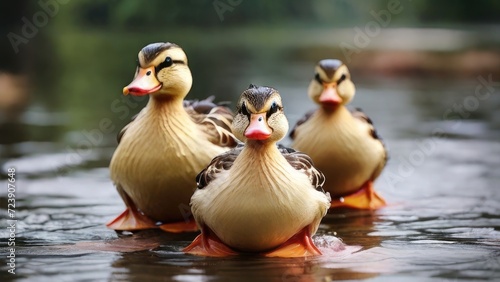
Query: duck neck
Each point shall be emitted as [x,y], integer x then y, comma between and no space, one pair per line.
[331,109]
[169,111]
[260,145]
[261,167]
[172,102]
[261,151]
[334,113]
[167,105]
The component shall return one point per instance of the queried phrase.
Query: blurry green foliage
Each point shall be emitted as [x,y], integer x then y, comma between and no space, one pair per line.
[132,14]
[450,11]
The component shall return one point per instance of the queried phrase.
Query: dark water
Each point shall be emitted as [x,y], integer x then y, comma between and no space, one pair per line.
[442,181]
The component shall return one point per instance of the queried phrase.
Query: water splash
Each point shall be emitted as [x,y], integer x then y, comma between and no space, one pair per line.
[332,246]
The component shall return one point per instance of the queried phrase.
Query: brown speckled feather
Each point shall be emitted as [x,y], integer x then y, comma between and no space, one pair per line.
[303,162]
[301,121]
[360,115]
[216,120]
[221,162]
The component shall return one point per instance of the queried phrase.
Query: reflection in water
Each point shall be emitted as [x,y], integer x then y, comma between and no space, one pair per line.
[354,227]
[151,265]
[148,255]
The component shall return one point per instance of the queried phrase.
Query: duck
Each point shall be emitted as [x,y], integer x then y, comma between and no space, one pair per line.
[163,148]
[259,198]
[343,143]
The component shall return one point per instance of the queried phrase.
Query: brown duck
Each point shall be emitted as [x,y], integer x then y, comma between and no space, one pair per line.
[343,144]
[163,149]
[259,197]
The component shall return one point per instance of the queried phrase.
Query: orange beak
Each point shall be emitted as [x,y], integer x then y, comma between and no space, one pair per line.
[329,94]
[258,128]
[144,83]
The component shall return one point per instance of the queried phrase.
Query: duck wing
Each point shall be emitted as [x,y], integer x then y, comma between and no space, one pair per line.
[301,121]
[361,116]
[214,119]
[302,162]
[218,164]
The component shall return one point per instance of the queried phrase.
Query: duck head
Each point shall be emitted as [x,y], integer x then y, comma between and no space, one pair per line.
[332,85]
[260,115]
[162,70]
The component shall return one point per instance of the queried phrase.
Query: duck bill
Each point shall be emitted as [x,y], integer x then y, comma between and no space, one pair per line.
[258,128]
[144,83]
[329,96]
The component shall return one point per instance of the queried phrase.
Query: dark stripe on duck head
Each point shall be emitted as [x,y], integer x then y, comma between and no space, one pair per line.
[151,51]
[330,66]
[258,95]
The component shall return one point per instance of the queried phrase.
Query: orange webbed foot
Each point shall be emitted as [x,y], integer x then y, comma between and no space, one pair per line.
[208,244]
[131,220]
[179,227]
[300,245]
[366,198]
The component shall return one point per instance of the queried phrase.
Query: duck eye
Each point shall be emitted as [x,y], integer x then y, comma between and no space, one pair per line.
[165,64]
[274,108]
[318,79]
[342,78]
[244,110]
[168,62]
